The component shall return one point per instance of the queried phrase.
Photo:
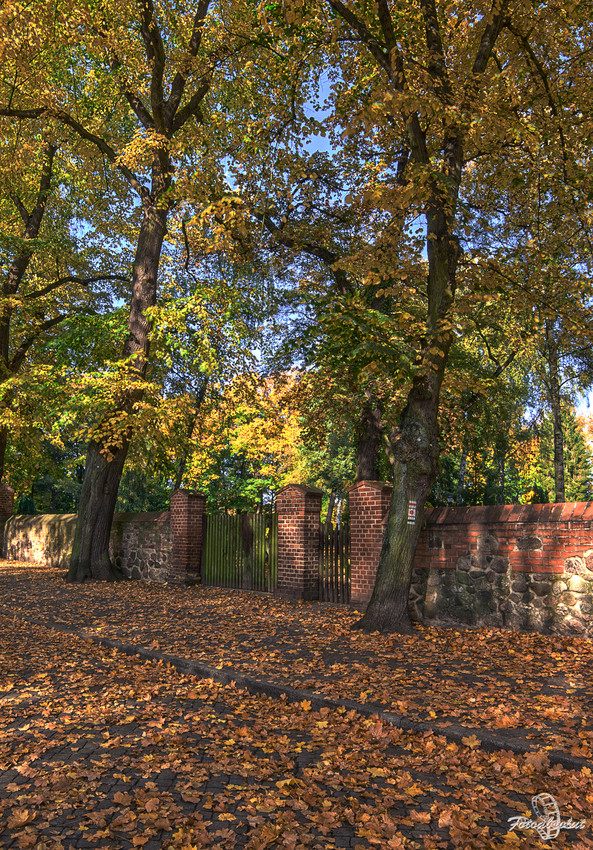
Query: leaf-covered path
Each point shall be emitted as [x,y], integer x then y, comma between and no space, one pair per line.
[100,749]
[521,685]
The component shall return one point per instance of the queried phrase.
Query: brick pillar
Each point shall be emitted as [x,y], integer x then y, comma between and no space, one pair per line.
[369,506]
[187,511]
[6,500]
[299,509]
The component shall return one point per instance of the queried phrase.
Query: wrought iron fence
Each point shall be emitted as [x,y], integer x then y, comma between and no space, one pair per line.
[334,564]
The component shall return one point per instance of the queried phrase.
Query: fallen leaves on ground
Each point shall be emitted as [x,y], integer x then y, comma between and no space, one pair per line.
[520,684]
[100,749]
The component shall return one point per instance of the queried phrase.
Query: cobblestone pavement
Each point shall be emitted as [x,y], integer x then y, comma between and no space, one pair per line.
[103,749]
[515,690]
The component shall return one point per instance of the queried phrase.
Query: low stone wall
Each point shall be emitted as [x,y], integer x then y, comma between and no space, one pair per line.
[141,545]
[140,542]
[41,539]
[527,567]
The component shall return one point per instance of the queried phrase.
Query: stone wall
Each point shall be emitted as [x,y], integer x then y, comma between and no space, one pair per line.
[141,545]
[40,539]
[140,542]
[528,567]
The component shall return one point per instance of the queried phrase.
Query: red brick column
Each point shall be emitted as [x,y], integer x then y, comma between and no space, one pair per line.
[369,506]
[187,511]
[6,500]
[299,509]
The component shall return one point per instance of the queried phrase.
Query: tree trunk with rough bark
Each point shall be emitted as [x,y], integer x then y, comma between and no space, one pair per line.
[416,442]
[105,462]
[3,444]
[330,511]
[369,441]
[415,468]
[461,478]
[90,557]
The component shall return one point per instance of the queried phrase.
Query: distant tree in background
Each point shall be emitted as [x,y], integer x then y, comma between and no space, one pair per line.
[578,461]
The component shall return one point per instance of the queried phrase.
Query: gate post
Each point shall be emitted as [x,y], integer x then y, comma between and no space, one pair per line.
[299,510]
[6,499]
[369,506]
[187,510]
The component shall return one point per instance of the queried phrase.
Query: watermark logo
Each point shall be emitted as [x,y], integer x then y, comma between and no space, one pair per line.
[547,821]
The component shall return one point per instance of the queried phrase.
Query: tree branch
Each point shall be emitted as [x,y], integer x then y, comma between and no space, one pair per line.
[180,79]
[155,53]
[490,36]
[135,102]
[378,50]
[395,72]
[82,281]
[21,352]
[387,25]
[324,254]
[65,118]
[20,207]
[192,107]
[541,73]
[34,223]
[437,67]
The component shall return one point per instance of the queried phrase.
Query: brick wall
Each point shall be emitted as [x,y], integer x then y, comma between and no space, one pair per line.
[531,538]
[523,566]
[6,499]
[187,511]
[369,506]
[299,509]
[528,567]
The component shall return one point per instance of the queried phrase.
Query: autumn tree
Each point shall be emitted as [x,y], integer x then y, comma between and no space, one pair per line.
[47,278]
[539,258]
[142,95]
[432,86]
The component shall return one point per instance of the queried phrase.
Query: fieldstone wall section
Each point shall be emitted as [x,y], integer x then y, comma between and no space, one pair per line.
[140,542]
[299,510]
[369,505]
[40,539]
[141,545]
[528,567]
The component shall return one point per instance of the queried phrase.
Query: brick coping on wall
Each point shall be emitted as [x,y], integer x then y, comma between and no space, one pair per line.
[487,514]
[148,516]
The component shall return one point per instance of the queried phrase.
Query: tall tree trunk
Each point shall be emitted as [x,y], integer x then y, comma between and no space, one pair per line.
[330,511]
[461,479]
[105,461]
[416,442]
[414,471]
[369,441]
[555,403]
[14,277]
[90,552]
[502,468]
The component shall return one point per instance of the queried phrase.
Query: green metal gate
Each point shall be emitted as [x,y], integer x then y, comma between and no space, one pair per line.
[241,550]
